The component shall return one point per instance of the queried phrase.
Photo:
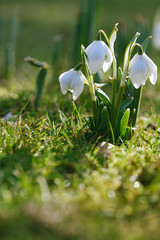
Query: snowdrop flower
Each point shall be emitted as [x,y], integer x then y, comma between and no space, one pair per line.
[156,36]
[140,68]
[99,56]
[72,81]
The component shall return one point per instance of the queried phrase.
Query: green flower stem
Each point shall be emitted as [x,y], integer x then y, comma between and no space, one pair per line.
[114,84]
[95,112]
[117,108]
[122,84]
[39,86]
[93,97]
[136,105]
[113,96]
[104,34]
[121,89]
[119,98]
[91,85]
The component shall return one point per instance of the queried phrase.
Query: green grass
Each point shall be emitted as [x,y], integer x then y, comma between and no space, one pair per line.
[56,183]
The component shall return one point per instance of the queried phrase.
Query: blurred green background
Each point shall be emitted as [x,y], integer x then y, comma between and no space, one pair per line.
[41,20]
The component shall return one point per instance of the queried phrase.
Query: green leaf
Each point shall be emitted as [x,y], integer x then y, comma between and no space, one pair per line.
[105,122]
[113,37]
[145,43]
[120,73]
[129,47]
[99,85]
[124,122]
[126,103]
[129,133]
[104,98]
[39,86]
[137,94]
[62,116]
[91,124]
[112,133]
[100,107]
[93,11]
[36,63]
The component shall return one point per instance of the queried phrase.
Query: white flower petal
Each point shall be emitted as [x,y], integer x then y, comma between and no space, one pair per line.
[138,70]
[144,82]
[98,52]
[95,65]
[153,77]
[77,84]
[141,67]
[64,79]
[72,81]
[106,66]
[152,69]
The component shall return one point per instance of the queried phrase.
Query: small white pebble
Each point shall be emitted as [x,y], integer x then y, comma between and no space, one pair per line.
[8,116]
[111,194]
[133,177]
[136,184]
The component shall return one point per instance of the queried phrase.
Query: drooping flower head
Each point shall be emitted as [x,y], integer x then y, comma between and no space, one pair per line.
[140,68]
[72,81]
[99,56]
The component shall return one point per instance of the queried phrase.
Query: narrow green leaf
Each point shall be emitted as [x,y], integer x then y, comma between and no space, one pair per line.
[137,94]
[79,32]
[145,43]
[129,133]
[14,27]
[10,58]
[104,98]
[39,86]
[91,124]
[124,122]
[99,85]
[76,114]
[113,36]
[129,47]
[120,73]
[57,49]
[105,122]
[112,133]
[62,116]
[2,25]
[100,107]
[36,63]
[93,10]
[125,104]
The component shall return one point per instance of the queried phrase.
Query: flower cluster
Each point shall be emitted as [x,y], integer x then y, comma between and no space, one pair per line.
[100,55]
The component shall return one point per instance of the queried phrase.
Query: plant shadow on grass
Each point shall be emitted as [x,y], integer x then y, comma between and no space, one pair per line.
[15,104]
[14,163]
[21,225]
